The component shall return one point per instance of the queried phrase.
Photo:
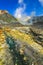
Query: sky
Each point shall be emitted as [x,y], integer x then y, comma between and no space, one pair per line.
[20,8]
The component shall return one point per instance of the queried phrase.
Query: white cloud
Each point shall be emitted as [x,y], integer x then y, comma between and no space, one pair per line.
[33,13]
[20,10]
[20,1]
[41,1]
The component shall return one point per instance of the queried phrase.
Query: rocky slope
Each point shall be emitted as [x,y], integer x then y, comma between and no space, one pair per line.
[6,19]
[20,45]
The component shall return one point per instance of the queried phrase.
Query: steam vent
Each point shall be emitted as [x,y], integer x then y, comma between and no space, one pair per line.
[20,44]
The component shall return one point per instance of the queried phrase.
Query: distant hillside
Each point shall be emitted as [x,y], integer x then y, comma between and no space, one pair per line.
[35,19]
[7,19]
